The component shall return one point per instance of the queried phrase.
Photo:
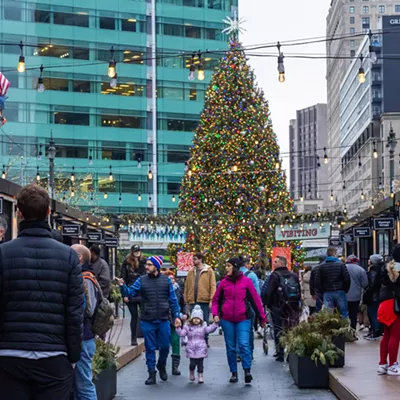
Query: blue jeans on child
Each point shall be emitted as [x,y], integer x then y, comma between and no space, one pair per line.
[84,388]
[337,300]
[237,334]
[157,335]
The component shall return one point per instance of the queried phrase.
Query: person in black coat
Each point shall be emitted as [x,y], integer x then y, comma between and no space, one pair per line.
[132,269]
[41,307]
[319,297]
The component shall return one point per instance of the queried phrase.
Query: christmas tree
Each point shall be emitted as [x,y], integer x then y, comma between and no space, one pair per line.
[234,186]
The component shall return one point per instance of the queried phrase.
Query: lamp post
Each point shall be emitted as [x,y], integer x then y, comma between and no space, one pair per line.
[391,144]
[51,154]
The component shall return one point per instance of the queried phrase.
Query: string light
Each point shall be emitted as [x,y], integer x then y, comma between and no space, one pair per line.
[139,197]
[112,65]
[325,156]
[361,72]
[73,175]
[362,194]
[200,70]
[344,185]
[192,68]
[235,168]
[40,87]
[332,198]
[105,195]
[90,157]
[372,54]
[21,61]
[375,152]
[114,81]
[281,66]
[40,155]
[110,177]
[173,199]
[359,161]
[150,174]
[3,174]
[139,162]
[37,174]
[72,192]
[301,198]
[120,198]
[345,209]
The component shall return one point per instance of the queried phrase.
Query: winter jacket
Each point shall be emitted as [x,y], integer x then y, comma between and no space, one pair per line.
[358,281]
[206,288]
[274,298]
[372,292]
[331,276]
[157,297]
[305,289]
[102,272]
[92,298]
[233,300]
[313,290]
[390,281]
[130,275]
[41,293]
[250,274]
[196,346]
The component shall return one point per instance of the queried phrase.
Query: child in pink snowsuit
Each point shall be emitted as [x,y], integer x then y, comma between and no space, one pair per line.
[196,349]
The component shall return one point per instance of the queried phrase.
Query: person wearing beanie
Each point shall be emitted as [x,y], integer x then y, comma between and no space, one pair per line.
[358,282]
[371,295]
[388,315]
[158,301]
[230,308]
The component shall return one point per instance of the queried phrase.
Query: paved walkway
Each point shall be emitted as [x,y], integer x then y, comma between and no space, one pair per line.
[271,381]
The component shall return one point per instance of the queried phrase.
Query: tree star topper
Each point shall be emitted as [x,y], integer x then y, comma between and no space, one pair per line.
[234,25]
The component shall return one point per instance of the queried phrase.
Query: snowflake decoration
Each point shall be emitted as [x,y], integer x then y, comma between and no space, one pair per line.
[234,25]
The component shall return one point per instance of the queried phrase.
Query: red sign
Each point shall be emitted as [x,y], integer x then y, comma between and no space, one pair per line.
[185,261]
[283,252]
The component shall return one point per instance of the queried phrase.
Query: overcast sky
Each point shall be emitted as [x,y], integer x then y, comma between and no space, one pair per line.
[270,21]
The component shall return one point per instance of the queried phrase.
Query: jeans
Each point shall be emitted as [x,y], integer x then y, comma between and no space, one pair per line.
[237,333]
[253,317]
[84,388]
[373,317]
[156,336]
[205,307]
[337,300]
[319,302]
[353,307]
[133,309]
[197,362]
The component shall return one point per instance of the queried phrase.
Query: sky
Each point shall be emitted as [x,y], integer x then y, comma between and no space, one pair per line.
[270,21]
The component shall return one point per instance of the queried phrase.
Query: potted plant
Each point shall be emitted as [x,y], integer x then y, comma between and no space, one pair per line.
[310,354]
[104,367]
[331,325]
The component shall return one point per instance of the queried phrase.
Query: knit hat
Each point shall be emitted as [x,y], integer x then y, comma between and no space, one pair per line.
[376,259]
[352,260]
[197,313]
[157,261]
[236,262]
[396,253]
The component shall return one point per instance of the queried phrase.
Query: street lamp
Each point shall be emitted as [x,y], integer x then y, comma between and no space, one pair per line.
[391,144]
[51,154]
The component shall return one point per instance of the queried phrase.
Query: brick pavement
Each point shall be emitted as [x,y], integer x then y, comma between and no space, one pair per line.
[271,381]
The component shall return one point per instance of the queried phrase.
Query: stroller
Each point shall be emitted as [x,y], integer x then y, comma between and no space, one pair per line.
[268,332]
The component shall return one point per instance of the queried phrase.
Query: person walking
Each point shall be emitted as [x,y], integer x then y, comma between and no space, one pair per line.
[200,286]
[175,339]
[230,308]
[84,388]
[389,316]
[132,269]
[196,348]
[317,296]
[371,295]
[333,281]
[358,282]
[101,270]
[158,299]
[283,300]
[308,298]
[41,307]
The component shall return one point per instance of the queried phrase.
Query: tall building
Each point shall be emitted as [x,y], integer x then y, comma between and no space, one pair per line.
[345,18]
[110,136]
[307,133]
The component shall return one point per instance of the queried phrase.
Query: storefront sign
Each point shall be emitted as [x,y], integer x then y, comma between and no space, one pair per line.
[334,242]
[303,232]
[346,238]
[95,237]
[111,242]
[71,230]
[383,224]
[362,232]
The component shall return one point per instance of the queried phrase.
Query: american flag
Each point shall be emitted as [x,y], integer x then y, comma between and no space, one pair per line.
[4,85]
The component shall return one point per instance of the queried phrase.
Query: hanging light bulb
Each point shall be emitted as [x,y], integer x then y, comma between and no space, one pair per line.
[362,194]
[63,198]
[105,195]
[110,177]
[361,72]
[173,199]
[40,154]
[112,65]
[150,174]
[345,210]
[277,165]
[301,198]
[332,198]
[90,157]
[40,87]
[3,174]
[66,208]
[359,161]
[139,162]
[372,206]
[120,198]
[21,61]
[139,197]
[114,81]
[281,66]
[375,152]
[72,192]
[37,175]
[325,156]
[372,54]
[192,69]
[73,175]
[344,185]
[200,70]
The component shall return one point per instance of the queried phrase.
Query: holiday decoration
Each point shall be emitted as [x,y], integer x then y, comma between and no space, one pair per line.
[4,85]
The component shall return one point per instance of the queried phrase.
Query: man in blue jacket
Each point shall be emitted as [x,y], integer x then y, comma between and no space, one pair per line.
[157,299]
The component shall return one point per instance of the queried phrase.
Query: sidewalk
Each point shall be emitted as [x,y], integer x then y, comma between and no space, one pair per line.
[358,380]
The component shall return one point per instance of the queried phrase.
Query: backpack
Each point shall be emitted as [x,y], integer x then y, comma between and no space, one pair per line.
[103,317]
[260,281]
[289,288]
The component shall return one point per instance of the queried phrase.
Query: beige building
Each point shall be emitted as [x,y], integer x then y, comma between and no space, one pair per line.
[345,18]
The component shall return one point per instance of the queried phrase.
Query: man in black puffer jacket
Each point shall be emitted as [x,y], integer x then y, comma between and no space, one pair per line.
[41,307]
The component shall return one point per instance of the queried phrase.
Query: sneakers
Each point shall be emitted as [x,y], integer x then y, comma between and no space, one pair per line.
[382,369]
[234,378]
[373,336]
[394,370]
[260,332]
[361,328]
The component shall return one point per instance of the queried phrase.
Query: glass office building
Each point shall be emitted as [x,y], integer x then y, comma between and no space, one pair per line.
[108,137]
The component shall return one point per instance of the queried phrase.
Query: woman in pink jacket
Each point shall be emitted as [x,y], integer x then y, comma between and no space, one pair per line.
[231,306]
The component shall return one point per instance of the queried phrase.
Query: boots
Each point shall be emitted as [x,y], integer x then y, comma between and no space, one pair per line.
[162,370]
[151,380]
[234,378]
[134,342]
[191,376]
[175,364]
[247,376]
[201,378]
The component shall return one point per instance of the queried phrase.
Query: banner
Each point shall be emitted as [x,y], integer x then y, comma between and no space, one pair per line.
[184,263]
[156,233]
[303,232]
[283,252]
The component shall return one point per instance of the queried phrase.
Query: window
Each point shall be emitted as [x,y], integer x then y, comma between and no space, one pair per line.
[105,185]
[123,89]
[215,4]
[78,19]
[181,125]
[80,53]
[129,25]
[382,9]
[173,188]
[77,149]
[193,95]
[52,50]
[107,23]
[352,20]
[397,8]
[172,30]
[193,32]
[365,9]
[351,9]
[12,11]
[177,156]
[352,53]
[56,84]
[365,23]
[111,152]
[133,187]
[81,86]
[170,93]
[117,121]
[42,16]
[352,44]
[193,3]
[352,30]
[70,118]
